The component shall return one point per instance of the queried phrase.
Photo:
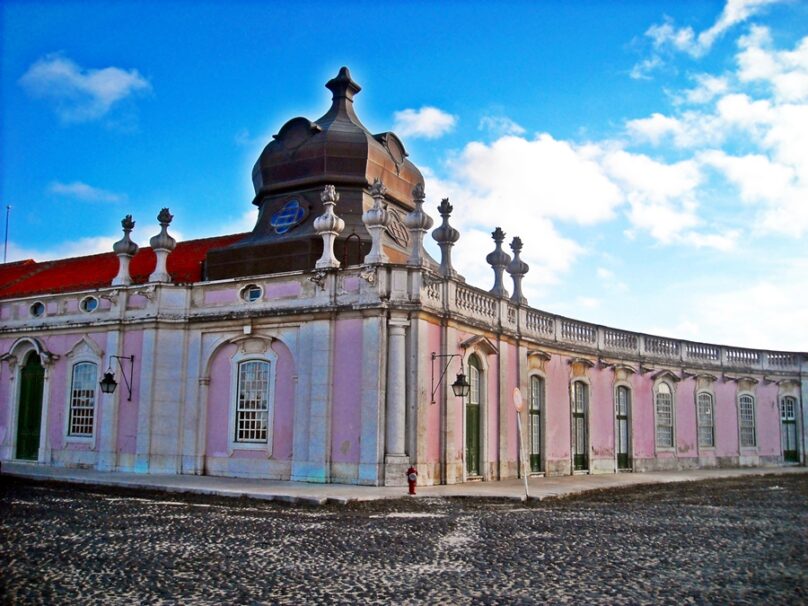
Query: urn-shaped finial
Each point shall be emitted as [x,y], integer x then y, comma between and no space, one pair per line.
[376,220]
[498,260]
[517,268]
[328,226]
[125,249]
[418,222]
[446,236]
[162,244]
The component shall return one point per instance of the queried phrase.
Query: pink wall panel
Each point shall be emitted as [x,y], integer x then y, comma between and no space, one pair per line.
[685,418]
[346,391]
[642,415]
[557,422]
[284,418]
[726,419]
[433,412]
[767,411]
[127,411]
[601,411]
[218,402]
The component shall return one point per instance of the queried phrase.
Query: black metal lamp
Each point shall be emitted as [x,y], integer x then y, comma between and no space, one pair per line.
[460,387]
[108,383]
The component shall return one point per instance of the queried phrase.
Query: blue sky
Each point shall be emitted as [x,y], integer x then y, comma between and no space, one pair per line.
[653,156]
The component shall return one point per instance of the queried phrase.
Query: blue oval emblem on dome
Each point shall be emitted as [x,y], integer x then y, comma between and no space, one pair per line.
[289,215]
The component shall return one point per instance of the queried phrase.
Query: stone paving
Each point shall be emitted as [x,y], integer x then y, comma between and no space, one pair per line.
[737,540]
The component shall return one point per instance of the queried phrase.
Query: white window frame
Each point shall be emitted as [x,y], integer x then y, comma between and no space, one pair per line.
[81,438]
[542,409]
[239,358]
[700,425]
[742,426]
[657,424]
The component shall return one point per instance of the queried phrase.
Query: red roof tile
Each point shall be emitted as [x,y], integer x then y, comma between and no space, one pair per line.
[24,278]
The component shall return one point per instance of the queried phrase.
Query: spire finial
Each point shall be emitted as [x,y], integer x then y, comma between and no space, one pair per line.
[343,85]
[499,260]
[125,249]
[517,268]
[446,236]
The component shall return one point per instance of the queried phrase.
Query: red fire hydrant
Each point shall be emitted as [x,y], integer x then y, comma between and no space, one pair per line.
[412,479]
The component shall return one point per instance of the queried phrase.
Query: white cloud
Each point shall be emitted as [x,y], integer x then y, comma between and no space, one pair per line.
[707,88]
[427,122]
[80,94]
[82,191]
[667,38]
[786,72]
[500,125]
[74,248]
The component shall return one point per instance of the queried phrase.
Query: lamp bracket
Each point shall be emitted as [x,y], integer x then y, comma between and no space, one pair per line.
[127,381]
[435,356]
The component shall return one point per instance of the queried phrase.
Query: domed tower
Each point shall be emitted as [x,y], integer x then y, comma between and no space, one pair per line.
[289,176]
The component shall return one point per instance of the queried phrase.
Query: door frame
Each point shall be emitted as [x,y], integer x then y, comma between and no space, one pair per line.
[629,434]
[15,358]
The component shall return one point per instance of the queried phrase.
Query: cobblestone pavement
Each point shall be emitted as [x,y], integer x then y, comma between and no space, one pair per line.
[734,541]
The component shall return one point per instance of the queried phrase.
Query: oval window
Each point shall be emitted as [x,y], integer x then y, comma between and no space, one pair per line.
[251,293]
[88,304]
[38,309]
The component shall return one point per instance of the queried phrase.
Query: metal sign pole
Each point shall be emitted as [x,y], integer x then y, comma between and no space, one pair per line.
[518,403]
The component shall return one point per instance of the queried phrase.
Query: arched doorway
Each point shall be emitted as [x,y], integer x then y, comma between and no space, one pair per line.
[29,415]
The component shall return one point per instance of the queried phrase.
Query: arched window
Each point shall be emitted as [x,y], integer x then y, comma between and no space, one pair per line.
[82,399]
[534,420]
[253,402]
[746,420]
[706,420]
[664,416]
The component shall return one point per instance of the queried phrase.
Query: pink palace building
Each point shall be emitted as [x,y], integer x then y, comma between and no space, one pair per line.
[327,346]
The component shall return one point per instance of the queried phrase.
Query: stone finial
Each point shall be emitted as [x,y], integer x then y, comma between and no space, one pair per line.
[446,236]
[376,220]
[499,260]
[162,244]
[517,268]
[328,226]
[418,222]
[125,249]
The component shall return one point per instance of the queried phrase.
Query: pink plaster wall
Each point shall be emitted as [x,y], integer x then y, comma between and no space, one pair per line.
[282,289]
[433,411]
[219,396]
[557,421]
[642,416]
[346,393]
[127,411]
[220,297]
[510,360]
[601,413]
[685,418]
[767,413]
[726,419]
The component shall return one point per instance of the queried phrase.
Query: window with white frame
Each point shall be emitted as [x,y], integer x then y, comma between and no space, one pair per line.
[82,399]
[706,419]
[253,401]
[664,416]
[746,419]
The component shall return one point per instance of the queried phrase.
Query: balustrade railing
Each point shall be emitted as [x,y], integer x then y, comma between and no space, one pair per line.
[743,357]
[578,332]
[539,323]
[618,339]
[662,347]
[700,351]
[476,303]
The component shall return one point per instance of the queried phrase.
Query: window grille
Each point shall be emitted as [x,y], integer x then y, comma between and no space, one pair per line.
[664,416]
[706,420]
[82,399]
[252,408]
[746,414]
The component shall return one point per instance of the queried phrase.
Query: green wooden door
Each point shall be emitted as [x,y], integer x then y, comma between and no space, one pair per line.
[623,396]
[473,421]
[29,418]
[788,419]
[580,395]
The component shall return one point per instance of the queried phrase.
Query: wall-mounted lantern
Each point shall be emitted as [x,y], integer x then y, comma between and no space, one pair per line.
[108,383]
[460,387]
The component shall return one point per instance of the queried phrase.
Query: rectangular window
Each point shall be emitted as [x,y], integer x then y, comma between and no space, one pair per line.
[252,408]
[746,415]
[664,417]
[706,422]
[82,400]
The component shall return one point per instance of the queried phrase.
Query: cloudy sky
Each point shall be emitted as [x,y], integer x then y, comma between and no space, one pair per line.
[653,156]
